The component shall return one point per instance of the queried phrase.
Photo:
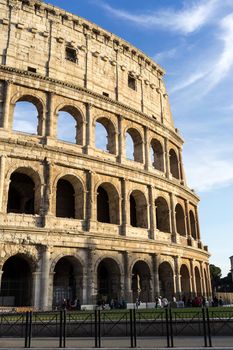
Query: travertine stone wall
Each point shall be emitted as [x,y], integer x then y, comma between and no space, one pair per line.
[34,67]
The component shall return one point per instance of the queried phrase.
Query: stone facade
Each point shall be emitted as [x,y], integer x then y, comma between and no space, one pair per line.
[132,225]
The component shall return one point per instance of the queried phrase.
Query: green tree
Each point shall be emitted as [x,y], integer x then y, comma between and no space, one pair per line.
[215,275]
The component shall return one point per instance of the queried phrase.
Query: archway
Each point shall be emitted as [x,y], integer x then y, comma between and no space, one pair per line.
[70,125]
[138,210]
[107,204]
[108,280]
[105,135]
[16,286]
[185,281]
[134,150]
[166,280]
[162,215]
[174,164]
[65,199]
[157,155]
[68,280]
[198,281]
[21,195]
[180,220]
[141,281]
[193,225]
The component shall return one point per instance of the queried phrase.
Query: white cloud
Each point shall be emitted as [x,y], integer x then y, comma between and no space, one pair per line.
[187,20]
[161,56]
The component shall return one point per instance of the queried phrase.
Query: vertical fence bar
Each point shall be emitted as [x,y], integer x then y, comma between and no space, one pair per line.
[171,327]
[26,331]
[208,327]
[60,328]
[204,327]
[30,329]
[167,328]
[96,335]
[64,328]
[99,329]
[131,327]
[134,328]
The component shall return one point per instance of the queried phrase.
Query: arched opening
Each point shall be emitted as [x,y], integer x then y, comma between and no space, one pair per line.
[105,135]
[162,215]
[134,147]
[166,280]
[68,280]
[27,115]
[174,164]
[180,220]
[16,286]
[21,195]
[138,210]
[65,199]
[192,225]
[157,159]
[185,281]
[141,281]
[108,280]
[107,204]
[70,125]
[198,281]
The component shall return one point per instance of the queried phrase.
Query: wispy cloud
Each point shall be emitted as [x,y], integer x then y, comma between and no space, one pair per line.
[162,56]
[186,20]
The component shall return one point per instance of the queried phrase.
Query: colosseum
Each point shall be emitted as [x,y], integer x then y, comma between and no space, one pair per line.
[100,210]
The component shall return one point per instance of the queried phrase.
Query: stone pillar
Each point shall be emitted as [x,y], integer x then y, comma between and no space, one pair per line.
[197,225]
[85,286]
[155,264]
[146,149]
[193,280]
[151,212]
[48,190]
[91,278]
[36,277]
[159,91]
[45,278]
[177,276]
[123,207]
[51,126]
[120,135]
[173,218]
[188,226]
[1,273]
[181,168]
[167,163]
[127,278]
[89,201]
[89,128]
[2,178]
[87,36]
[203,282]
[209,280]
[6,109]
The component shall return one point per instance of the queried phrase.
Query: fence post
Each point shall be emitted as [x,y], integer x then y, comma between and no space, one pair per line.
[167,328]
[134,328]
[30,329]
[171,327]
[64,328]
[204,327]
[96,335]
[26,330]
[60,329]
[208,327]
[99,329]
[131,327]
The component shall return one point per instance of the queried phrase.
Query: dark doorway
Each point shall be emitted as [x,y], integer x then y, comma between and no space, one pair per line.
[102,205]
[108,280]
[65,199]
[141,282]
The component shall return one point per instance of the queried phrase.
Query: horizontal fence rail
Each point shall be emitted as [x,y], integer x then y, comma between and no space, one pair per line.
[167,325]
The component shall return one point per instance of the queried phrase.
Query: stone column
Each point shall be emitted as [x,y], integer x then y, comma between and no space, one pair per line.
[36,277]
[2,178]
[127,278]
[48,190]
[197,225]
[45,278]
[155,264]
[89,128]
[89,201]
[181,168]
[188,226]
[151,212]
[1,273]
[203,283]
[167,163]
[173,218]
[85,286]
[51,126]
[120,135]
[177,276]
[209,280]
[91,278]
[6,108]
[123,207]
[193,280]
[146,149]
[159,91]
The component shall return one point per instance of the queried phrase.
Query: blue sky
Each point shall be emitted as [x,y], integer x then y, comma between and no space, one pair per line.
[193,41]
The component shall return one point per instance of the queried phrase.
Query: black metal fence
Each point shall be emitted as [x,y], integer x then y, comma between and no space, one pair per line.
[169,326]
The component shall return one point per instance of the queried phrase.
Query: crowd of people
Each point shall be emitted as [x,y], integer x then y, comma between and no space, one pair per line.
[68,304]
